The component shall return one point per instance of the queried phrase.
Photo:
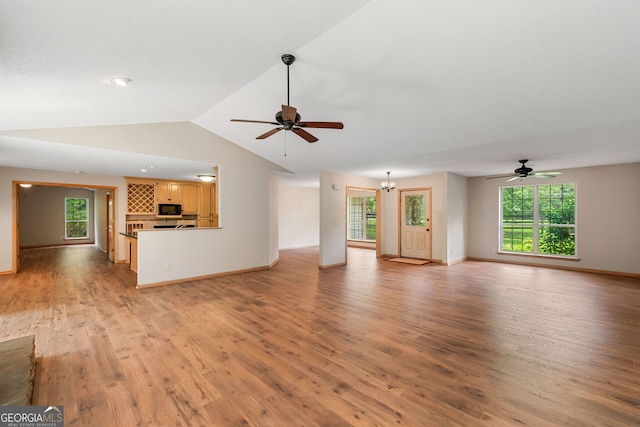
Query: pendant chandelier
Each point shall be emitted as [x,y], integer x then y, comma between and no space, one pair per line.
[388,185]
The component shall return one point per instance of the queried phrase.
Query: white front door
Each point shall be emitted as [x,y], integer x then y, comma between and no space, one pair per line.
[415,223]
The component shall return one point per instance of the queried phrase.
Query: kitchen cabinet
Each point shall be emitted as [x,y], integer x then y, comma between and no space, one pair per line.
[168,192]
[211,221]
[189,199]
[208,206]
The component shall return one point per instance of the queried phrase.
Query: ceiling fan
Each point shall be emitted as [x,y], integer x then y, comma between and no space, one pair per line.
[524,172]
[289,119]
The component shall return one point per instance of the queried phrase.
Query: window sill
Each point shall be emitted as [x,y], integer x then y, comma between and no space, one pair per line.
[543,256]
[76,238]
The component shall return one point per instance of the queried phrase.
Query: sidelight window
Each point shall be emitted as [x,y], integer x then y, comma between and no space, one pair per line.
[362,218]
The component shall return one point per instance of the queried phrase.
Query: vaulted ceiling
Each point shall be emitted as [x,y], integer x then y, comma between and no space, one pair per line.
[422,86]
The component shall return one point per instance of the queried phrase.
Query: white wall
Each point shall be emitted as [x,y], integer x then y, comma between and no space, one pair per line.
[100,204]
[457,211]
[607,207]
[274,198]
[41,210]
[388,217]
[176,254]
[333,214]
[299,210]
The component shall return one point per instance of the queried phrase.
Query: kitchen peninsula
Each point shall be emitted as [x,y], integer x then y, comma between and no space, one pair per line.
[174,255]
[168,246]
[169,255]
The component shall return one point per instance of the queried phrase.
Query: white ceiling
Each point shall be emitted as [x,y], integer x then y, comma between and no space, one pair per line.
[422,86]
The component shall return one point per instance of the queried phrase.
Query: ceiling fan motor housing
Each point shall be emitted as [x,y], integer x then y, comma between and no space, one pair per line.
[523,171]
[285,123]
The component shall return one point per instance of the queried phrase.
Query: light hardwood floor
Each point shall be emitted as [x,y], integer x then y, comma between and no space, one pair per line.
[371,343]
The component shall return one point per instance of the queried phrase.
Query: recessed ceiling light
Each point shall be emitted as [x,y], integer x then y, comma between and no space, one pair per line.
[120,81]
[143,170]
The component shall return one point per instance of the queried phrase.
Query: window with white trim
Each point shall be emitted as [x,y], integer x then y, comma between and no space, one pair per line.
[76,214]
[538,219]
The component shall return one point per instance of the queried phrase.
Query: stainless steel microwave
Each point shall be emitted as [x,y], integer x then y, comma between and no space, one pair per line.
[169,210]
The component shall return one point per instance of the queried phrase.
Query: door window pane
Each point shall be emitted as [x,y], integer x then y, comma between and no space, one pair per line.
[415,207]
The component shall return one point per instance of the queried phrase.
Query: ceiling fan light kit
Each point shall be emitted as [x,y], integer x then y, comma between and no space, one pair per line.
[288,118]
[525,171]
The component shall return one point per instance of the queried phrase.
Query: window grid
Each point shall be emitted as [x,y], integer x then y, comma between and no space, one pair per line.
[362,218]
[356,214]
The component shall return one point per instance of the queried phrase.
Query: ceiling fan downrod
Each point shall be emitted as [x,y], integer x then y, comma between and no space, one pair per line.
[288,59]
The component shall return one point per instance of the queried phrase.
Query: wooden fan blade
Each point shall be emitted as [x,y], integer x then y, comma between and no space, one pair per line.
[289,113]
[268,134]
[514,178]
[255,121]
[327,125]
[304,134]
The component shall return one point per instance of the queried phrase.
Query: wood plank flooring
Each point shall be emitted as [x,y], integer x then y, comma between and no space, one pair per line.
[373,343]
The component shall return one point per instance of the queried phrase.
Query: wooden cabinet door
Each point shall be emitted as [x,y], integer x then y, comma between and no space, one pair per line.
[214,199]
[204,205]
[189,199]
[169,192]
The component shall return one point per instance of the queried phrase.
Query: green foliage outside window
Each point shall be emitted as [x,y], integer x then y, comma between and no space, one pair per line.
[517,219]
[557,219]
[547,211]
[76,217]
